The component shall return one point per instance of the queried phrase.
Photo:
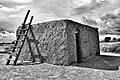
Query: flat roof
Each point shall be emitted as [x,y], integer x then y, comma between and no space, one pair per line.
[68,21]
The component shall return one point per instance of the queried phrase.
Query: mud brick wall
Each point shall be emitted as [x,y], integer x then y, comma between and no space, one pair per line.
[89,41]
[56,42]
[71,41]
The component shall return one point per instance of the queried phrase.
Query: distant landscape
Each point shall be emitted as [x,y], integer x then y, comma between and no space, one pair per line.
[5,47]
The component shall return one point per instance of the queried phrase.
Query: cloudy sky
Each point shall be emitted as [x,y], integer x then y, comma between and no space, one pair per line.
[12,12]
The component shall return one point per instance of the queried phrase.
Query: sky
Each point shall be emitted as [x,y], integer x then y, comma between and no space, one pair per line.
[12,12]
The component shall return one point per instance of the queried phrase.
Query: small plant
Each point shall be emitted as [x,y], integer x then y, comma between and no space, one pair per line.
[114,48]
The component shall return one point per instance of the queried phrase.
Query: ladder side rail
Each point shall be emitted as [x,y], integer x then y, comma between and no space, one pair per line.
[23,25]
[30,50]
[21,31]
[29,25]
[36,45]
[8,61]
[25,19]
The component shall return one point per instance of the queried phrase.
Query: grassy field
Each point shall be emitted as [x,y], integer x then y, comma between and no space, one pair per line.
[113,47]
[53,72]
[95,68]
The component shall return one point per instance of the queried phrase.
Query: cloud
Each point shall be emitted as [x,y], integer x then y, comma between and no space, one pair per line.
[11,18]
[12,12]
[22,1]
[68,8]
[90,6]
[6,9]
[51,7]
[104,31]
[18,1]
[7,37]
[7,26]
[79,3]
[102,25]
[112,20]
[111,23]
[13,9]
[89,21]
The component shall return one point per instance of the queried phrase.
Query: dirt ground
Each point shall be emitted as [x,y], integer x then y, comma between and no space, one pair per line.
[101,63]
[95,68]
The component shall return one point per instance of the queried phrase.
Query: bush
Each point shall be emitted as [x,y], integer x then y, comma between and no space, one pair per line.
[118,39]
[114,48]
[107,39]
[117,50]
[111,49]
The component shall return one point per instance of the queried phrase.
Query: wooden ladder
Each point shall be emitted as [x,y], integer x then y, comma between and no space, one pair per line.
[23,33]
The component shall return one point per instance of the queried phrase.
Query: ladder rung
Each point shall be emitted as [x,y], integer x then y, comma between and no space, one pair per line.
[19,40]
[14,52]
[21,34]
[24,29]
[17,46]
[25,24]
[11,59]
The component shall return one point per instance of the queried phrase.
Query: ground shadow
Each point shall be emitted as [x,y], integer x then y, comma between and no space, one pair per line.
[100,62]
[42,59]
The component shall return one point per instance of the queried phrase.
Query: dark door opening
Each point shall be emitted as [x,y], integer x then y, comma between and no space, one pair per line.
[78,47]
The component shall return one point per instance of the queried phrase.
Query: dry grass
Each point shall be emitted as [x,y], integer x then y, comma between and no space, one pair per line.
[110,47]
[52,72]
[96,68]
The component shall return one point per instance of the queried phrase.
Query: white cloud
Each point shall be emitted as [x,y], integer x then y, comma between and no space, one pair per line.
[89,21]
[18,1]
[6,9]
[13,9]
[79,3]
[117,11]
[6,36]
[22,1]
[2,17]
[88,3]
[68,8]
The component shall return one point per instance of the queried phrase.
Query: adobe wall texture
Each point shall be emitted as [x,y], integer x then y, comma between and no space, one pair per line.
[89,41]
[56,42]
[52,41]
[88,38]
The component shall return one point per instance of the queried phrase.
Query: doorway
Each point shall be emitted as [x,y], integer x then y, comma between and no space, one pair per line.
[78,46]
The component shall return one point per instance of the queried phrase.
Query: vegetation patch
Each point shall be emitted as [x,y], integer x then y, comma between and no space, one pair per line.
[110,47]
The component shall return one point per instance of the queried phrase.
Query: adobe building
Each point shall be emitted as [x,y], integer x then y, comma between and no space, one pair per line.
[61,42]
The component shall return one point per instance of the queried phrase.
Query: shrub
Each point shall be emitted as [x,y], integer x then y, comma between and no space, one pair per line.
[117,50]
[118,39]
[110,49]
[114,48]
[107,39]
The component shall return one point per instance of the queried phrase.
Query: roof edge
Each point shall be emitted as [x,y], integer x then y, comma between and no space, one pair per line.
[69,20]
